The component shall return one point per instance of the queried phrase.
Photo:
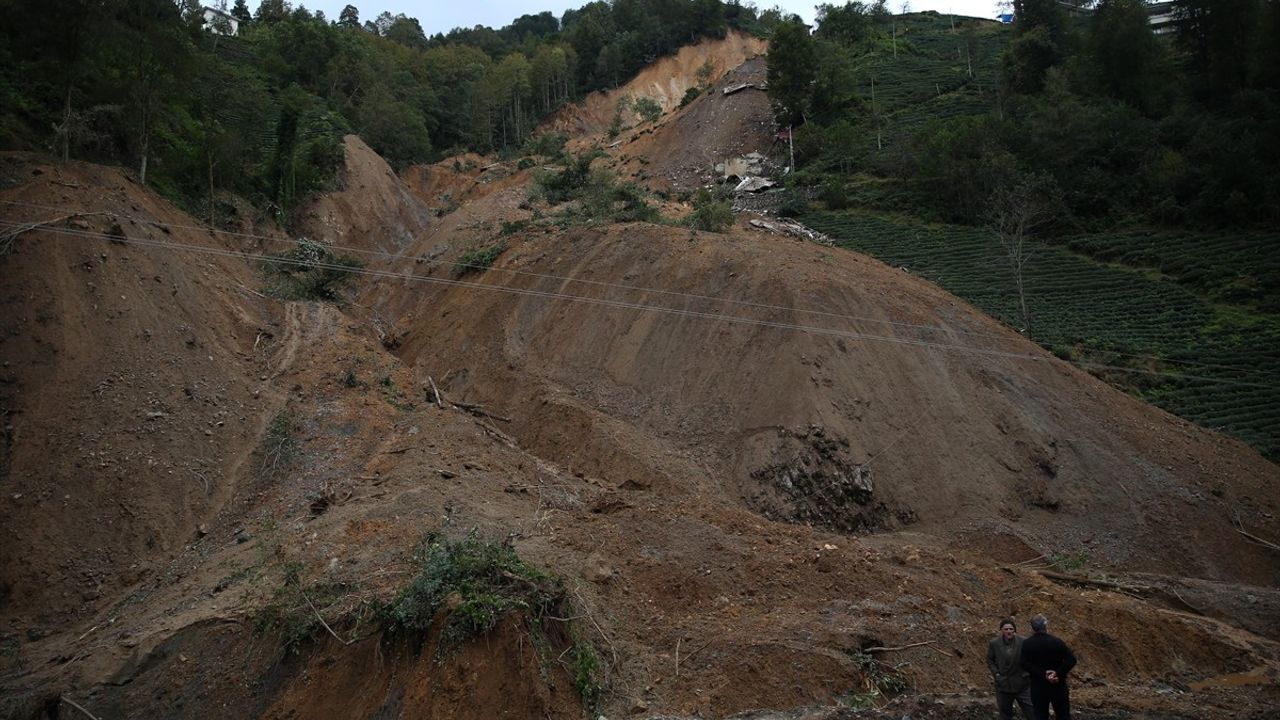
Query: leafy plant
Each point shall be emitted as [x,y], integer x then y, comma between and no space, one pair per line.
[478,260]
[709,212]
[311,271]
[647,108]
[879,680]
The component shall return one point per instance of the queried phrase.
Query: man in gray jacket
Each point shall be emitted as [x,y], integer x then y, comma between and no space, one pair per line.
[1004,660]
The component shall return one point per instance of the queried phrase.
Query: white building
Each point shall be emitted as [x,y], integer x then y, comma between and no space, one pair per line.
[219,22]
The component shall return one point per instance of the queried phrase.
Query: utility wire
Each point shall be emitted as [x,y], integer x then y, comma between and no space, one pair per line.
[618,304]
[657,291]
[562,278]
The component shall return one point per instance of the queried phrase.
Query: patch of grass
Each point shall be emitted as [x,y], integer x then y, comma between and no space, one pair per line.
[511,227]
[311,271]
[469,584]
[482,581]
[586,671]
[478,260]
[294,613]
[1070,561]
[11,650]
[547,144]
[598,194]
[278,447]
[647,108]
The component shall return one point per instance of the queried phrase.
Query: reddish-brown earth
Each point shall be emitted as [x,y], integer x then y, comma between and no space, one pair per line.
[676,408]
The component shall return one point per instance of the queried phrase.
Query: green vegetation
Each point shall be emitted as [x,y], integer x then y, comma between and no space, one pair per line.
[1117,181]
[879,682]
[487,582]
[592,195]
[478,260]
[278,447]
[262,114]
[1216,361]
[647,108]
[294,613]
[710,213]
[311,271]
[469,584]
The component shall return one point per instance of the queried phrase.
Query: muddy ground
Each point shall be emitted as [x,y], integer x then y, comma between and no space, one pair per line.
[777,480]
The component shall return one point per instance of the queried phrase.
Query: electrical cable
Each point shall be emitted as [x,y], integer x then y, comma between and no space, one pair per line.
[618,304]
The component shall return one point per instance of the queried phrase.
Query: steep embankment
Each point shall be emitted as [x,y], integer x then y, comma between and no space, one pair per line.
[131,385]
[752,462]
[665,81]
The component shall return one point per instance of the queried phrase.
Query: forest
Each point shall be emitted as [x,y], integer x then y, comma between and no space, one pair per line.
[1092,117]
[200,113]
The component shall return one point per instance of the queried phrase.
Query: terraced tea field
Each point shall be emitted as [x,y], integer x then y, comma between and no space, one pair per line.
[1167,337]
[938,72]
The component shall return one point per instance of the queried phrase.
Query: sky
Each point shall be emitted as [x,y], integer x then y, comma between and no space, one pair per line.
[436,16]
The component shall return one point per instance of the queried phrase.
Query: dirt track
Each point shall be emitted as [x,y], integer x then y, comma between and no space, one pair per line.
[750,457]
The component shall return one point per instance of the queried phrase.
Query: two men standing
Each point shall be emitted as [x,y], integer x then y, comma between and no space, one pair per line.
[1031,672]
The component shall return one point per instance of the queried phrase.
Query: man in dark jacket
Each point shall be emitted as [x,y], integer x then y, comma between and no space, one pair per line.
[1004,660]
[1048,660]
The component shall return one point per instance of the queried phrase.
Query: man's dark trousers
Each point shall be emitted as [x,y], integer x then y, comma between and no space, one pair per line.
[1005,701]
[1044,694]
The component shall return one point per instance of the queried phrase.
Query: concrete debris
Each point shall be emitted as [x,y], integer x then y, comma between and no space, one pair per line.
[754,184]
[752,163]
[792,228]
[743,86]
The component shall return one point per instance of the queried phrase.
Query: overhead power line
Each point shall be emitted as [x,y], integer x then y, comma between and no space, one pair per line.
[660,291]
[618,304]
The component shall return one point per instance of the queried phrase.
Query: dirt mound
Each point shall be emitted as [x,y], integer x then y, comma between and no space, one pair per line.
[132,385]
[954,422]
[665,82]
[683,149]
[770,475]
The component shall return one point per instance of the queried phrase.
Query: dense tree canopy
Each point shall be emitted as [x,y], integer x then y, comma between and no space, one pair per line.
[1176,129]
[262,114]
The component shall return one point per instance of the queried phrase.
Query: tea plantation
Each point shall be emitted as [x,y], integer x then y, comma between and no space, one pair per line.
[1189,321]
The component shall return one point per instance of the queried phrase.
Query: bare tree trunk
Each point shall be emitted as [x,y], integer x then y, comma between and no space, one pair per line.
[65,130]
[146,142]
[209,157]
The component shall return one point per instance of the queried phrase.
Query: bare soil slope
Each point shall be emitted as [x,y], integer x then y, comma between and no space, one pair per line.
[683,148]
[767,472]
[665,82]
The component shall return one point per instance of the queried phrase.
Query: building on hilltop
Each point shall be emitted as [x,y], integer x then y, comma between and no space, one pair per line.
[219,21]
[1163,17]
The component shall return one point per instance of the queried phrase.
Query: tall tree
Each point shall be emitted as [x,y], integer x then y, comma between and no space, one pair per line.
[349,17]
[1223,35]
[791,68]
[240,11]
[1039,43]
[1124,49]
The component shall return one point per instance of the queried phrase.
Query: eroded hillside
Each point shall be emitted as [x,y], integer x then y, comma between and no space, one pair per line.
[768,474]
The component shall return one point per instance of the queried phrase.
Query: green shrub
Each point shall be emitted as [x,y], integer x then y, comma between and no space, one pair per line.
[311,271]
[709,213]
[489,581]
[478,260]
[278,446]
[511,227]
[559,186]
[690,95]
[547,144]
[647,108]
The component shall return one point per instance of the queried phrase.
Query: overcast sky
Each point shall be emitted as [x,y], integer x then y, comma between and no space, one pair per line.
[436,16]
